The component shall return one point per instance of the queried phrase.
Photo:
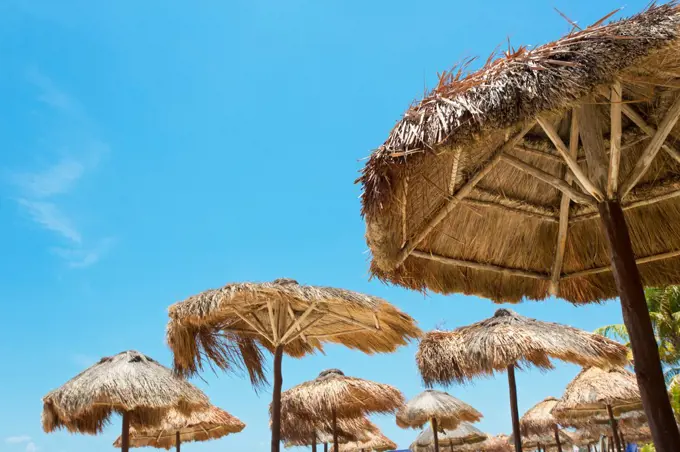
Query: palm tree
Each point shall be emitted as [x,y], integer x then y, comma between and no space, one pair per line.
[664,309]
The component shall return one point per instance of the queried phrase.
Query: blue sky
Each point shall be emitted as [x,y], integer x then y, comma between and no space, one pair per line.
[151,150]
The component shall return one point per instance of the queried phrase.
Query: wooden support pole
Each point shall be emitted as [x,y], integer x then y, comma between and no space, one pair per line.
[591,131]
[548,178]
[462,192]
[615,430]
[650,131]
[177,441]
[479,266]
[636,318]
[298,321]
[514,410]
[562,230]
[557,438]
[585,182]
[436,433]
[276,400]
[336,443]
[638,261]
[647,157]
[614,141]
[314,441]
[633,205]
[125,434]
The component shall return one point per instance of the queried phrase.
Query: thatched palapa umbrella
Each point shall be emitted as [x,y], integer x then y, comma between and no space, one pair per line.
[440,409]
[333,395]
[552,170]
[545,441]
[376,441]
[538,420]
[465,433]
[231,324]
[129,383]
[595,393]
[505,341]
[297,431]
[177,428]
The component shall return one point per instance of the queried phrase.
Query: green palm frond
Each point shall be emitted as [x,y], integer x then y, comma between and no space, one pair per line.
[615,331]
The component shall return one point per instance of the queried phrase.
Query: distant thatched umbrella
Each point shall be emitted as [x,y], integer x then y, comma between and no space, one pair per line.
[465,433]
[297,431]
[332,395]
[442,410]
[177,428]
[548,440]
[595,392]
[551,170]
[500,443]
[228,326]
[505,341]
[539,420]
[129,383]
[376,441]
[584,437]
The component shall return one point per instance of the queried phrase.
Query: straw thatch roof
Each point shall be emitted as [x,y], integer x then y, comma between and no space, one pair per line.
[228,326]
[333,391]
[453,201]
[545,440]
[498,443]
[297,431]
[128,381]
[589,393]
[448,410]
[509,339]
[465,433]
[538,419]
[376,442]
[582,437]
[201,425]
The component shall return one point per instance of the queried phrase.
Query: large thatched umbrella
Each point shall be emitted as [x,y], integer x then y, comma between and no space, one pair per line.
[129,383]
[177,428]
[546,172]
[505,341]
[228,326]
[333,395]
[302,431]
[538,420]
[376,441]
[439,408]
[595,393]
[464,433]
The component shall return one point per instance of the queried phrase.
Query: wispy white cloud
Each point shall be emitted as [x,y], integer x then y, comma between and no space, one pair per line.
[54,180]
[17,439]
[31,447]
[82,360]
[52,95]
[49,216]
[84,257]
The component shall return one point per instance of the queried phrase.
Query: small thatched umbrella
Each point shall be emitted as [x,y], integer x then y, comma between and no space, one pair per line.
[500,443]
[505,341]
[464,433]
[584,437]
[230,325]
[333,395]
[552,170]
[539,420]
[595,393]
[376,441]
[439,408]
[129,383]
[177,428]
[297,431]
[544,441]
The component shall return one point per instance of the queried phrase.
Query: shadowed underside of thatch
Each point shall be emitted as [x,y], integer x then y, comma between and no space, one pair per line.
[464,195]
[201,425]
[302,431]
[546,440]
[130,382]
[538,420]
[507,339]
[376,442]
[465,433]
[429,404]
[348,397]
[228,326]
[589,393]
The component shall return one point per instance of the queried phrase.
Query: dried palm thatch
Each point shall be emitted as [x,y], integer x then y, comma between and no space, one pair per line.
[296,431]
[584,437]
[500,443]
[128,383]
[432,404]
[376,442]
[509,339]
[333,393]
[593,390]
[546,440]
[465,433]
[200,425]
[538,420]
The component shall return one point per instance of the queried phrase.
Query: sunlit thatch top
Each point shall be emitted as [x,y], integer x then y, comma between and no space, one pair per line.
[509,339]
[228,325]
[465,433]
[128,381]
[466,193]
[332,391]
[589,393]
[201,425]
[448,410]
[538,420]
[301,431]
[376,442]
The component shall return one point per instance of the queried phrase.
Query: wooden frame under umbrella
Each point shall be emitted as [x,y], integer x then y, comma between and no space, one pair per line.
[545,440]
[597,393]
[333,396]
[177,428]
[506,341]
[129,383]
[229,326]
[538,420]
[464,434]
[550,171]
[302,431]
[440,409]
